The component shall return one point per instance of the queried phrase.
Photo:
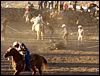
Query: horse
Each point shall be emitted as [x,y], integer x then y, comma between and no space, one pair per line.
[28,17]
[28,13]
[39,28]
[36,61]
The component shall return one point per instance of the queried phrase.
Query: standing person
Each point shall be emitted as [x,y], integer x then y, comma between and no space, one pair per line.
[52,3]
[65,33]
[74,6]
[40,3]
[3,28]
[56,5]
[70,6]
[65,6]
[80,34]
[61,5]
[45,4]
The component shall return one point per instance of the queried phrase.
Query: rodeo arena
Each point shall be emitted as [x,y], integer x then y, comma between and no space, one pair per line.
[49,37]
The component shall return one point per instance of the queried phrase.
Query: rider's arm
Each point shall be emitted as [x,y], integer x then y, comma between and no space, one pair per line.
[42,20]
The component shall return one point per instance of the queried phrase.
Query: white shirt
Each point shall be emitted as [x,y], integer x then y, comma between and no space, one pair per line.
[38,20]
[70,6]
[80,31]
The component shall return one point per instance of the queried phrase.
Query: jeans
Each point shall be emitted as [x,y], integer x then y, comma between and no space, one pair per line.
[27,58]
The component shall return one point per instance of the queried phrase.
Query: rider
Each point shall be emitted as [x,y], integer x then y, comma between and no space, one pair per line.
[28,8]
[39,20]
[20,46]
[27,56]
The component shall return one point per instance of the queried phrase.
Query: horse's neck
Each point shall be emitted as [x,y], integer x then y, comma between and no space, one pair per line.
[33,19]
[17,57]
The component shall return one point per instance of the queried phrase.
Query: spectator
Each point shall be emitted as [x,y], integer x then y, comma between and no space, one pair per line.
[80,34]
[85,8]
[65,6]
[65,33]
[70,6]
[56,5]
[40,3]
[61,5]
[45,4]
[74,6]
[3,28]
[50,4]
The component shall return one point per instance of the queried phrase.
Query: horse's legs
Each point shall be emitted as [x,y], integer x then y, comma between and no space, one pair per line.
[38,35]
[27,19]
[40,71]
[33,68]
[3,35]
[41,35]
[17,73]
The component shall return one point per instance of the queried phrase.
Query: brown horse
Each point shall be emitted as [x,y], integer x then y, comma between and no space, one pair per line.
[36,61]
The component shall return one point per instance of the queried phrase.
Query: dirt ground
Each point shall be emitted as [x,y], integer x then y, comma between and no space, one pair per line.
[72,60]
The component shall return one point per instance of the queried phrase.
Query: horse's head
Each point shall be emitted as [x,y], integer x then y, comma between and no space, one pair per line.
[32,20]
[11,51]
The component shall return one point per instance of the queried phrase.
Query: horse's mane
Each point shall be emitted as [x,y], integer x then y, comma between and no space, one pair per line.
[17,52]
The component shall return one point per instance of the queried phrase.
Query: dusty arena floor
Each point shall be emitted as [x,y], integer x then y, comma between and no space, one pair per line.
[72,60]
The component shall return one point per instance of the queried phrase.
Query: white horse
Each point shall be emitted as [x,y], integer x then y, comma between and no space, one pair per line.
[39,28]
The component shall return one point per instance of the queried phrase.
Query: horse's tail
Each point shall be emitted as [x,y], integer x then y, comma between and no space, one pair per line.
[45,62]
